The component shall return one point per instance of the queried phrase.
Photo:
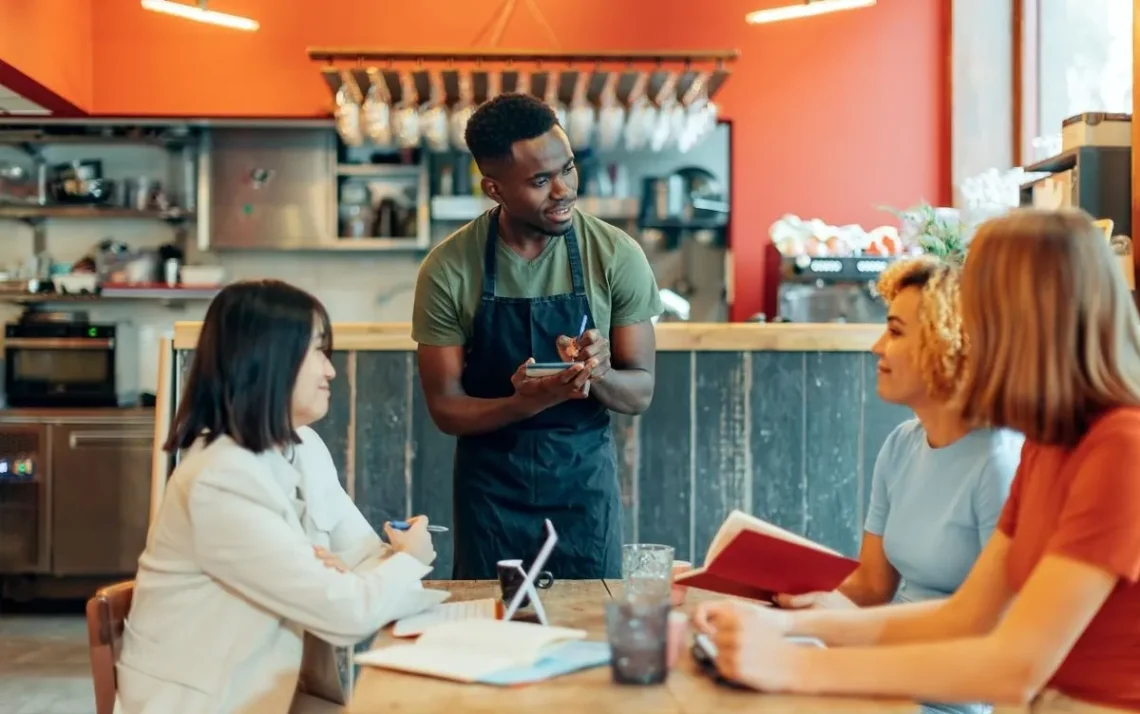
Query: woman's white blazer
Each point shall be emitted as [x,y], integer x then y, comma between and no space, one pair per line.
[229,584]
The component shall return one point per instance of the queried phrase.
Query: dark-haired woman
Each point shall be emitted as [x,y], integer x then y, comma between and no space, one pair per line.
[237,563]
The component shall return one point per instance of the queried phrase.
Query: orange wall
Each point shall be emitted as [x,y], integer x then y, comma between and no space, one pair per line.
[49,41]
[833,115]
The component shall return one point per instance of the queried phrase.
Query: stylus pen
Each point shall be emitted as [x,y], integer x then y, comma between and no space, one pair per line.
[404,525]
[582,329]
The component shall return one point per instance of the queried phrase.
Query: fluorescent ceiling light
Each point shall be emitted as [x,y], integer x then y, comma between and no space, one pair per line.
[807,8]
[201,14]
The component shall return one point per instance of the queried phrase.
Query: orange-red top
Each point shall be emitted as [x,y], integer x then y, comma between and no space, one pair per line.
[1084,503]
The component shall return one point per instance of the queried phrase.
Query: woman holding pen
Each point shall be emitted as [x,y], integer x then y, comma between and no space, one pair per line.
[256,544]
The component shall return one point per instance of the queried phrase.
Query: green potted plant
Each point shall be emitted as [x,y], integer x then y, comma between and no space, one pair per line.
[936,231]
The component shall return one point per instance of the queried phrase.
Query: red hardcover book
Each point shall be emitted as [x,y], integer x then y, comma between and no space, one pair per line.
[752,558]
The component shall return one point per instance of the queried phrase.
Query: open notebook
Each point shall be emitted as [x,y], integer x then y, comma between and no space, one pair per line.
[495,652]
[752,558]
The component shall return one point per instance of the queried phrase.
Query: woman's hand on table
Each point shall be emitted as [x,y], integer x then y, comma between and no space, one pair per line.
[833,600]
[416,541]
[750,643]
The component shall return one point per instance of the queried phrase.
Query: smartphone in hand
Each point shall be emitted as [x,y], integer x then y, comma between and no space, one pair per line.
[546,369]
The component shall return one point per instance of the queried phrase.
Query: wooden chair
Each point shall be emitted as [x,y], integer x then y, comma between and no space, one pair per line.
[106,611]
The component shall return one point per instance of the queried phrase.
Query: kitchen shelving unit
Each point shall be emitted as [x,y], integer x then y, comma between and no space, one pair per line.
[416,173]
[31,136]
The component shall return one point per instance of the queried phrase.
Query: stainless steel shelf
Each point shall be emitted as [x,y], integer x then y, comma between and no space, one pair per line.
[466,208]
[54,133]
[348,243]
[153,294]
[205,292]
[408,171]
[26,213]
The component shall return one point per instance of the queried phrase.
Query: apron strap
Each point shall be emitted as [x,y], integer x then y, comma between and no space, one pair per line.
[489,254]
[489,258]
[576,278]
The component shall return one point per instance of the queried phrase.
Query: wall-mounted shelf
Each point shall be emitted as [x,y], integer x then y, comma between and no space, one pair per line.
[385,171]
[466,208]
[190,292]
[31,137]
[167,295]
[34,138]
[695,224]
[37,212]
[348,243]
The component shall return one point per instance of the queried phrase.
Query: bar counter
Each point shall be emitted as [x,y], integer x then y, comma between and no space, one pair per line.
[781,420]
[671,337]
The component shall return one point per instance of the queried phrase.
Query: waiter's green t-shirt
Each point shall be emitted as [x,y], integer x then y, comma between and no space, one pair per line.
[619,281]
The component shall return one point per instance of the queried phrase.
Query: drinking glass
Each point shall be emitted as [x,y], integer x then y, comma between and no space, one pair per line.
[637,629]
[647,569]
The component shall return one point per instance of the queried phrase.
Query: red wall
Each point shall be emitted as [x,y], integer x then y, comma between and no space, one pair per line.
[833,115]
[46,51]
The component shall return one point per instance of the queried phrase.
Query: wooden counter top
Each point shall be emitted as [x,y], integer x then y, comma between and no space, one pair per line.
[82,415]
[671,337]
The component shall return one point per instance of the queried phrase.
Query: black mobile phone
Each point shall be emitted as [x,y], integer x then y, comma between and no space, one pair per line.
[545,369]
[704,654]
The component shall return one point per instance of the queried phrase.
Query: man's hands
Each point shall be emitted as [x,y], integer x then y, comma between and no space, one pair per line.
[590,355]
[545,392]
[591,349]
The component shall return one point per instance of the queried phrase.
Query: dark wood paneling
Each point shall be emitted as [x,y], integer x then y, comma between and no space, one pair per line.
[722,450]
[383,430]
[832,406]
[777,443]
[664,509]
[433,456]
[333,429]
[789,436]
[628,446]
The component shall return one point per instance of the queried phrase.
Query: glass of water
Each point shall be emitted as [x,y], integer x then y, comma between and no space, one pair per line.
[647,569]
[637,629]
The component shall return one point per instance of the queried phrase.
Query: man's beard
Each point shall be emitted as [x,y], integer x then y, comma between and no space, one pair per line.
[544,230]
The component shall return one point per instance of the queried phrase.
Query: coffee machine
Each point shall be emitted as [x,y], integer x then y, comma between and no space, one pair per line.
[830,289]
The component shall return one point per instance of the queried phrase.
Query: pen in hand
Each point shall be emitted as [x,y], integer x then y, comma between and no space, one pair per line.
[404,525]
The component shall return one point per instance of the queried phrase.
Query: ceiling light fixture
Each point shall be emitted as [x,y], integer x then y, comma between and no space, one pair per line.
[807,8]
[201,14]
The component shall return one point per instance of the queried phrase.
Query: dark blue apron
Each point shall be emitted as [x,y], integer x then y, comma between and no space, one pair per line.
[559,464]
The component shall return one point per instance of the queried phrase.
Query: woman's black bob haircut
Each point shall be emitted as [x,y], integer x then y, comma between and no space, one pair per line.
[255,336]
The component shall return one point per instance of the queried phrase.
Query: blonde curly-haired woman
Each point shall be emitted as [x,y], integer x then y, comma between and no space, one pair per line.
[939,485]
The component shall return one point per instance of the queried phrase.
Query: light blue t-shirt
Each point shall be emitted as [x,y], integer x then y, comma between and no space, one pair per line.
[936,509]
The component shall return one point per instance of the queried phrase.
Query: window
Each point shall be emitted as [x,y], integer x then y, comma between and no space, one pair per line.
[1080,61]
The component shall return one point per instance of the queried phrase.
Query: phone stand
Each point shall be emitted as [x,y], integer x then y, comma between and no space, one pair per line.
[532,593]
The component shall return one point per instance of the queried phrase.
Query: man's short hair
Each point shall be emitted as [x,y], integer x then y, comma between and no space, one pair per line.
[500,122]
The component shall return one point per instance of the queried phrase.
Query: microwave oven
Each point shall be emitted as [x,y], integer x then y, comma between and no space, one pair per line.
[68,364]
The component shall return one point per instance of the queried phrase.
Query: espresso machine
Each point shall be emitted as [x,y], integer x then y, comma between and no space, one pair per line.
[830,289]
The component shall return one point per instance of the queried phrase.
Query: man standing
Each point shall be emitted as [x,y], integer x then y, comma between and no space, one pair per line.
[515,285]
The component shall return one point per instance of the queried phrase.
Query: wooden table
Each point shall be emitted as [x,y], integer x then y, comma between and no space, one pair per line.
[579,603]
